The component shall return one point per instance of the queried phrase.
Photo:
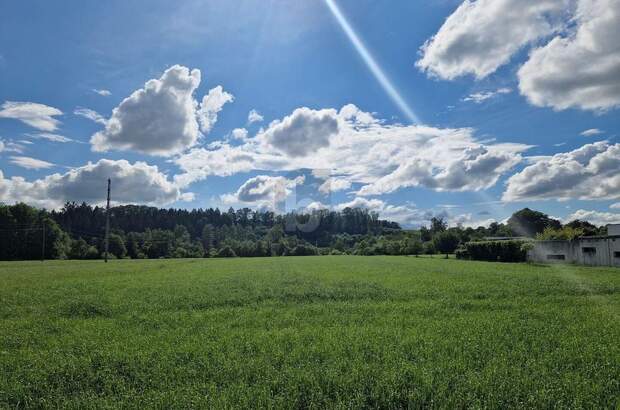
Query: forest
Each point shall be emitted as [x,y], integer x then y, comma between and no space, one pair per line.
[77,231]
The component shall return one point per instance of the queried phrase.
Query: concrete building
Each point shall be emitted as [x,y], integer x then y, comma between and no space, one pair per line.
[587,250]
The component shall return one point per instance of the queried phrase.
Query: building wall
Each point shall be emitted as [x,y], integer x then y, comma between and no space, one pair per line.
[613,229]
[591,252]
[595,251]
[614,247]
[551,252]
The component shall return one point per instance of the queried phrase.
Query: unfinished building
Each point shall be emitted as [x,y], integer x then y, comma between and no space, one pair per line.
[586,250]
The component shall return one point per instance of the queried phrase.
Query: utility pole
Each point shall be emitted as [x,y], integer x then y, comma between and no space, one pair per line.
[43,243]
[107,224]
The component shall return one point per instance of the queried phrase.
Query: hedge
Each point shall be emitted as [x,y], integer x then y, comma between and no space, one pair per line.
[496,251]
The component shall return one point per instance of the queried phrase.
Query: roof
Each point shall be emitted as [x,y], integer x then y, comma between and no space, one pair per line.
[586,238]
[505,238]
[600,237]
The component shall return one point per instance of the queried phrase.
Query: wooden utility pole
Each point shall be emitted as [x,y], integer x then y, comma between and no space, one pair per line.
[43,243]
[107,224]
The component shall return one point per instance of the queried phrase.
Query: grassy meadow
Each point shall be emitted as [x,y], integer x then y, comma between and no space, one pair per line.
[308,332]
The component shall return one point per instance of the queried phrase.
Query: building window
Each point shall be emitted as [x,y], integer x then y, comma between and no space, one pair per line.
[556,257]
[589,250]
[616,254]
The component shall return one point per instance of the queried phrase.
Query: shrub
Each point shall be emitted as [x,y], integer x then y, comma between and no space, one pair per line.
[303,250]
[502,251]
[461,253]
[446,242]
[81,250]
[566,233]
[429,248]
[226,252]
[412,246]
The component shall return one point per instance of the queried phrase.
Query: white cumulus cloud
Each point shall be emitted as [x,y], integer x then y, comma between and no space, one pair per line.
[406,215]
[102,92]
[580,69]
[162,117]
[39,116]
[263,191]
[52,137]
[30,163]
[138,183]
[12,146]
[240,134]
[334,185]
[594,217]
[381,157]
[211,105]
[591,172]
[473,169]
[90,114]
[254,116]
[591,132]
[480,36]
[482,96]
[303,132]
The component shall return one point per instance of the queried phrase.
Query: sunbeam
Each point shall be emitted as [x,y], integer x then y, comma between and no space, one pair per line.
[372,64]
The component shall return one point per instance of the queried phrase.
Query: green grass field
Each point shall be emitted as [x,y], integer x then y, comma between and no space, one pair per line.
[308,332]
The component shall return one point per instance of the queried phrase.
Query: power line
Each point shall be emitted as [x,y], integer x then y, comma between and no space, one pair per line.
[84,233]
[20,229]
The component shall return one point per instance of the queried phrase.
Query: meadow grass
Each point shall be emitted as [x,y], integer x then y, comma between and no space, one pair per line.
[308,332]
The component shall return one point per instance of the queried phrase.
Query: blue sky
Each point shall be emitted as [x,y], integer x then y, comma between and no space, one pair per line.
[501,101]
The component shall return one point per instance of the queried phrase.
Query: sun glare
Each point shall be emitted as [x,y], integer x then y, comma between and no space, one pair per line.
[371,63]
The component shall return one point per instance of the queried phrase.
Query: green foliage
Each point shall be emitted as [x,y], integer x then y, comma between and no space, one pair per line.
[133,218]
[323,332]
[497,251]
[587,228]
[209,240]
[567,233]
[117,246]
[429,248]
[461,253]
[159,243]
[226,252]
[438,225]
[25,232]
[446,241]
[303,250]
[527,246]
[527,222]
[140,232]
[80,249]
[411,246]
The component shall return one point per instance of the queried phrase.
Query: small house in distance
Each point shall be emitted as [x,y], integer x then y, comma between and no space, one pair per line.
[586,250]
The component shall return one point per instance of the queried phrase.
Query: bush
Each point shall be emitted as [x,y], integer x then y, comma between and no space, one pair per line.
[446,242]
[502,251]
[303,250]
[429,248]
[412,246]
[461,253]
[81,250]
[226,252]
[566,233]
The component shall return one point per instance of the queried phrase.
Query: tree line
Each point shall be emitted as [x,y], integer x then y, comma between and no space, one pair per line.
[76,231]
